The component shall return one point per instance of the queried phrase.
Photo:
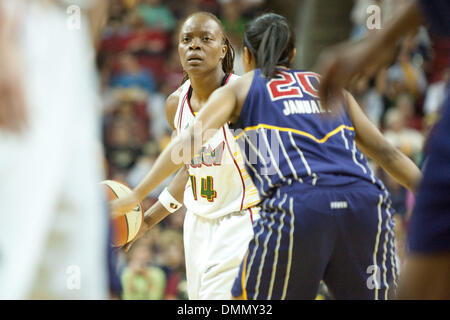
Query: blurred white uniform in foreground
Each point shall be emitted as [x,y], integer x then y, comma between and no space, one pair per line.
[52,227]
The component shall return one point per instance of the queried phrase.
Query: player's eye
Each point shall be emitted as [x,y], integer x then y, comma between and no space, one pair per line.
[185,39]
[207,39]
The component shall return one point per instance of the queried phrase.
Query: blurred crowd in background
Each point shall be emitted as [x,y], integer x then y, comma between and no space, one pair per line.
[139,67]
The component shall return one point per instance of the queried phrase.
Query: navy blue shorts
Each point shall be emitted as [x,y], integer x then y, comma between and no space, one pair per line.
[429,229]
[343,236]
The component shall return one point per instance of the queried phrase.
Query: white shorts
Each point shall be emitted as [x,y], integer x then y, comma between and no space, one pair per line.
[214,249]
[53,240]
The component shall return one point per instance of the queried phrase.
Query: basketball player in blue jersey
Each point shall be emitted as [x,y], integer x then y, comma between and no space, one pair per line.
[324,215]
[426,271]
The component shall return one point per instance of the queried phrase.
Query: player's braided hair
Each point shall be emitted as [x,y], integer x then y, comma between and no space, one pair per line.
[228,60]
[271,40]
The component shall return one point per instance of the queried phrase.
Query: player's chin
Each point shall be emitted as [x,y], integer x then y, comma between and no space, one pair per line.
[196,66]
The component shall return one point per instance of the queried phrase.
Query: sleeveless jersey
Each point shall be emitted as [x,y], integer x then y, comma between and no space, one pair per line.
[285,139]
[218,183]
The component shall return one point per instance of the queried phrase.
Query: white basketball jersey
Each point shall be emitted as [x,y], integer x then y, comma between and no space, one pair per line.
[218,183]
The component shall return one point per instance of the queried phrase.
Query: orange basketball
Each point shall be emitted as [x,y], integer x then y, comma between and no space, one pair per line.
[126,227]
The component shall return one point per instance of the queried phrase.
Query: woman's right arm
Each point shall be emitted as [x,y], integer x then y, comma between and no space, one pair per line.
[177,186]
[157,212]
[373,144]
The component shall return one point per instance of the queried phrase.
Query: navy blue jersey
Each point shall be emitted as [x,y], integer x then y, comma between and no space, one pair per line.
[285,138]
[436,13]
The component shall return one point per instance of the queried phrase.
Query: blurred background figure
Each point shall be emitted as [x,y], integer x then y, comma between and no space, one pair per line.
[435,94]
[53,234]
[407,139]
[156,14]
[173,261]
[131,74]
[140,279]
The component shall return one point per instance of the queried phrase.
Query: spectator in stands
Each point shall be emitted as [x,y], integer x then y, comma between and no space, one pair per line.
[140,280]
[157,15]
[405,103]
[120,147]
[147,40]
[176,288]
[232,18]
[405,75]
[435,93]
[370,96]
[131,74]
[170,244]
[408,140]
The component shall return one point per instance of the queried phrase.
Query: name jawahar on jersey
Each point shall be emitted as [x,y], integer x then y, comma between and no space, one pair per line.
[292,106]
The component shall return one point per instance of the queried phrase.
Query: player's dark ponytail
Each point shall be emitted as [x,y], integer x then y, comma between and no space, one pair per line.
[271,40]
[228,60]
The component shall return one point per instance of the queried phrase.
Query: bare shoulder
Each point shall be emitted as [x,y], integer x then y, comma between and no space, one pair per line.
[172,105]
[241,86]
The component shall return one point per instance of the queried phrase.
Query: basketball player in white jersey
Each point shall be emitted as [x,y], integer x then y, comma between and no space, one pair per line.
[53,240]
[220,194]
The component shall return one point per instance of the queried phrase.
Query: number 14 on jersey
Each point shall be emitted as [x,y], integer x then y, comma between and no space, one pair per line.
[206,188]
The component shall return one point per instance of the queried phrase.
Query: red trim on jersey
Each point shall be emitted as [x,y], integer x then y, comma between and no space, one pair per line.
[190,86]
[181,112]
[237,167]
[251,214]
[229,77]
[226,81]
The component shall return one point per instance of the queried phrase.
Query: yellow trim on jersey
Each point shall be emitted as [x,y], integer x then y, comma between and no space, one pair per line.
[302,133]
[244,291]
[249,205]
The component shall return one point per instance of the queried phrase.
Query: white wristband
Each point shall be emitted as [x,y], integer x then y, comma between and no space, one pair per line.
[168,201]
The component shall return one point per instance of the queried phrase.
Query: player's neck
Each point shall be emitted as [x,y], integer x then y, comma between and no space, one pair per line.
[203,85]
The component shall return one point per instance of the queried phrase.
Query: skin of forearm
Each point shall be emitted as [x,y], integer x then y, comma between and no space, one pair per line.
[178,185]
[155,215]
[399,166]
[157,212]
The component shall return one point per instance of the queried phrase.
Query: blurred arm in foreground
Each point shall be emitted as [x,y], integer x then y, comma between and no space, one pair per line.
[12,99]
[342,63]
